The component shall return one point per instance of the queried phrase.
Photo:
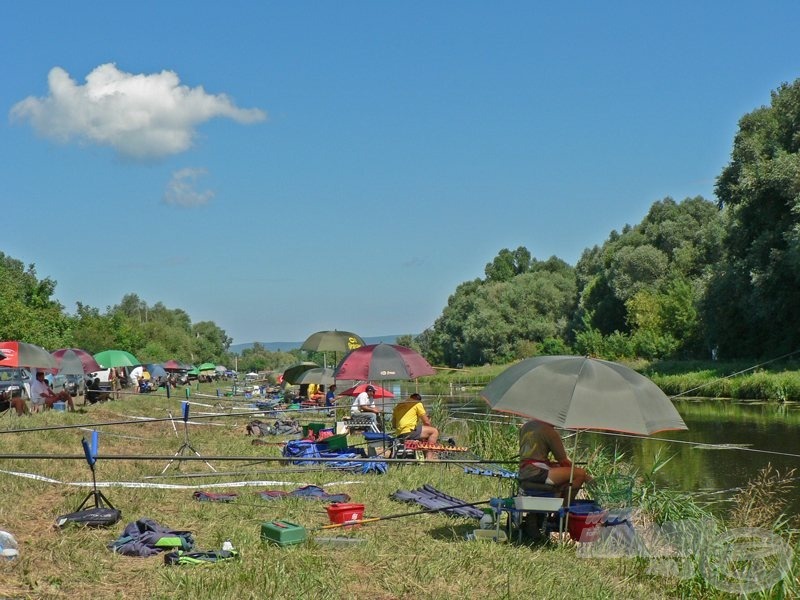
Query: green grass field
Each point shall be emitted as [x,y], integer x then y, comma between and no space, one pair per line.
[418,556]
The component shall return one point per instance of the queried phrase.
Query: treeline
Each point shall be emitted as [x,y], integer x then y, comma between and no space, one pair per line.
[153,333]
[694,279]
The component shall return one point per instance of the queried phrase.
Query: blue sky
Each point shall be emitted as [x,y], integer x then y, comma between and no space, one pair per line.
[283,168]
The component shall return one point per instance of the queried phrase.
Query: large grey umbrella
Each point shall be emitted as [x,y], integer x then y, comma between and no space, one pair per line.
[294,371]
[318,375]
[576,392]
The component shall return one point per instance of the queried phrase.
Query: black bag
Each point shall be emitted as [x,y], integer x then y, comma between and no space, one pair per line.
[91,517]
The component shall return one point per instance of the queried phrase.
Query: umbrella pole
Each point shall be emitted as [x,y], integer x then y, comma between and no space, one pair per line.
[569,489]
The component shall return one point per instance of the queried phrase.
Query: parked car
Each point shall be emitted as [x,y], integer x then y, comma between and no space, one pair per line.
[74,384]
[14,382]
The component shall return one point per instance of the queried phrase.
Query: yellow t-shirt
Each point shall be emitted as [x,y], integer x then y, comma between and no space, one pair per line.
[406,415]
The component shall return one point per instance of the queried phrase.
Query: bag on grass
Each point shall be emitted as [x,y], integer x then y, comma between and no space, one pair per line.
[91,517]
[145,537]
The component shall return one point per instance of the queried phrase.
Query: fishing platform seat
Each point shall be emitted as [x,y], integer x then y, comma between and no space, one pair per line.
[361,424]
[380,440]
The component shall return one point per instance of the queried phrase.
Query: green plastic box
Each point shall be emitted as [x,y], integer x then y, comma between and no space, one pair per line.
[283,533]
[315,427]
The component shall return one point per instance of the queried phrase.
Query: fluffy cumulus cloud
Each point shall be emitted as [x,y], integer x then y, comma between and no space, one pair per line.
[140,116]
[181,189]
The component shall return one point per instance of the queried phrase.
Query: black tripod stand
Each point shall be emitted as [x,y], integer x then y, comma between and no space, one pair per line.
[186,444]
[100,501]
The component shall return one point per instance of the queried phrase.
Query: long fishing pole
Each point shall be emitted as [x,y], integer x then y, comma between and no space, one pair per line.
[282,459]
[398,516]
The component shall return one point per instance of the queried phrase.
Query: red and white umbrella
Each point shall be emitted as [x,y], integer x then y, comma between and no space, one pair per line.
[22,354]
[383,362]
[380,392]
[75,361]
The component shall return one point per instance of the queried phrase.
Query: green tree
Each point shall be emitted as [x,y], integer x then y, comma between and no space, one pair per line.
[760,189]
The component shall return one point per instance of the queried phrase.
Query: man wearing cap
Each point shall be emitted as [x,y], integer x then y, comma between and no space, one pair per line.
[364,405]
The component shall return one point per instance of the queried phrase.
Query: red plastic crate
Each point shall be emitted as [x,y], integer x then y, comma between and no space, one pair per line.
[342,512]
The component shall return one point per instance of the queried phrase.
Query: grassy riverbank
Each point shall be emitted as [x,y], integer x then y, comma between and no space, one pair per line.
[409,557]
[777,381]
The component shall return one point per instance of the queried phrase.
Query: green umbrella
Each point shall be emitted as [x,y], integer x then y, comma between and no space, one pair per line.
[316,375]
[207,367]
[291,373]
[116,358]
[332,341]
[575,392]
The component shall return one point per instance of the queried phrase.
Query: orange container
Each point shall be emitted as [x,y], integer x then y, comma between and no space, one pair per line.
[342,512]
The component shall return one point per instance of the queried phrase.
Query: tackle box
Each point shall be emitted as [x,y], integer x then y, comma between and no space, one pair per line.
[283,533]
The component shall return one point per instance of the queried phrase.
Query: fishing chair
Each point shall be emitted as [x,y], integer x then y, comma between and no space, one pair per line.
[535,518]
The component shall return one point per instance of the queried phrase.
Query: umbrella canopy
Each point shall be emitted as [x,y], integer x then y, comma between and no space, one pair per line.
[332,341]
[74,361]
[380,362]
[220,368]
[380,392]
[318,375]
[575,392]
[116,358]
[22,354]
[294,371]
[174,365]
[156,370]
[207,366]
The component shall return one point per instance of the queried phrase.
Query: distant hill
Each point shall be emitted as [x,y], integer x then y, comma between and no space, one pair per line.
[286,346]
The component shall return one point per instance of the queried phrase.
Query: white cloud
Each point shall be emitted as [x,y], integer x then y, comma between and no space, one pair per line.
[181,192]
[140,116]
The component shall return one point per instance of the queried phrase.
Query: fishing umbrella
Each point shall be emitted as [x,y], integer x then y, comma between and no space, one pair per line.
[380,392]
[381,362]
[22,354]
[116,358]
[291,373]
[576,392]
[318,375]
[174,365]
[332,341]
[156,371]
[74,361]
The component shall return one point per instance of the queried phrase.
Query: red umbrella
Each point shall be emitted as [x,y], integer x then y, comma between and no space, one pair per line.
[381,362]
[75,361]
[174,365]
[362,387]
[22,354]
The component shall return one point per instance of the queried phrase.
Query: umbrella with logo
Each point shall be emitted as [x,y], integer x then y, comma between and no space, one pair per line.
[74,361]
[332,341]
[383,362]
[116,358]
[23,354]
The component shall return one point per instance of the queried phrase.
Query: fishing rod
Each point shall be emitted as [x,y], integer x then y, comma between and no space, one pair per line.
[398,516]
[281,459]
